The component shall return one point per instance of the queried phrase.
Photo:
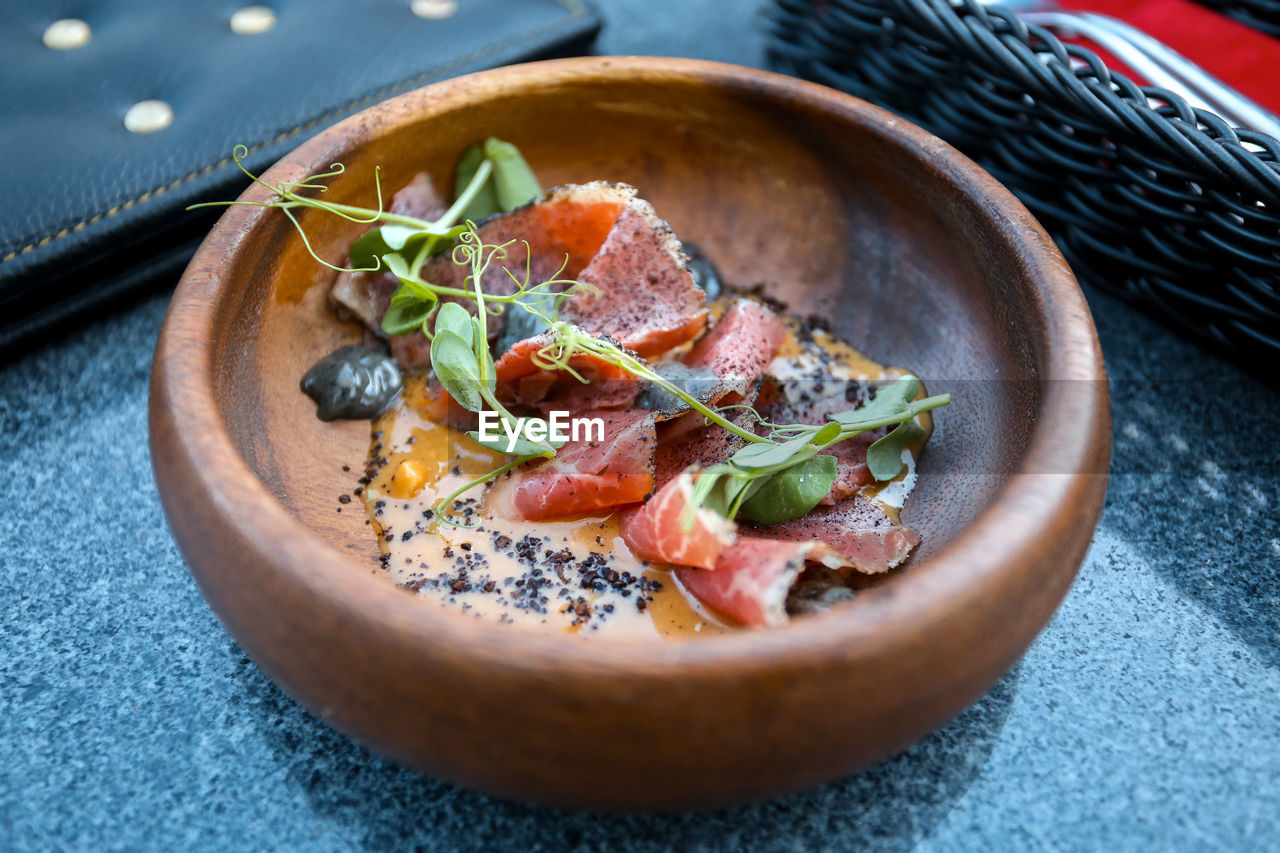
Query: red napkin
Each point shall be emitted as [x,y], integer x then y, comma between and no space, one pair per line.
[1233,52]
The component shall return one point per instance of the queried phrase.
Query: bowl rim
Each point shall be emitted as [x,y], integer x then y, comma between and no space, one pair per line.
[1071,432]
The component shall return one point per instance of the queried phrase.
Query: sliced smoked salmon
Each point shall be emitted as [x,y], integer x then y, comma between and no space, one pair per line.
[753,576]
[857,529]
[660,531]
[643,293]
[589,476]
[522,382]
[739,346]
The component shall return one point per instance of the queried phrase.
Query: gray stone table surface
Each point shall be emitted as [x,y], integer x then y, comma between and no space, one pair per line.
[1146,716]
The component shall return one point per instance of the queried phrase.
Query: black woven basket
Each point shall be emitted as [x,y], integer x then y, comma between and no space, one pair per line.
[1262,15]
[1165,204]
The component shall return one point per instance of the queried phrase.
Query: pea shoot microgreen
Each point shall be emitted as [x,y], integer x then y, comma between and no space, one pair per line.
[786,477]
[778,474]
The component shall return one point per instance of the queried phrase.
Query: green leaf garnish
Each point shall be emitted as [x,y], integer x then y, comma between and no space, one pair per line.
[727,493]
[513,180]
[400,268]
[884,457]
[454,318]
[892,404]
[791,492]
[755,457]
[511,185]
[780,464]
[368,249]
[455,365]
[410,309]
[485,202]
[522,446]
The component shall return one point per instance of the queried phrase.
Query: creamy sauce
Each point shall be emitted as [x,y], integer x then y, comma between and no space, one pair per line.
[575,576]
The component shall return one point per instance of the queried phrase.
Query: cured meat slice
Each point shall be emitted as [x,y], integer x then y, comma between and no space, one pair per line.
[419,199]
[567,226]
[365,296]
[726,351]
[739,347]
[412,351]
[852,472]
[753,576]
[541,236]
[641,292]
[697,382]
[588,476]
[855,528]
[659,530]
[522,382]
[644,297]
[689,440]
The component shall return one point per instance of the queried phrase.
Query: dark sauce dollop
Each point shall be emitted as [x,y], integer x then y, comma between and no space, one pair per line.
[353,383]
[704,273]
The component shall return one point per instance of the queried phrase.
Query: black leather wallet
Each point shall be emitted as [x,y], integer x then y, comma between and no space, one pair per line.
[92,209]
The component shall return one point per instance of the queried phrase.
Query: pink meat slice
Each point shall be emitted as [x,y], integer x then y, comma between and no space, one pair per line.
[645,297]
[852,472]
[689,440]
[856,529]
[521,382]
[541,236]
[641,291]
[739,347]
[567,226]
[659,529]
[752,577]
[737,350]
[589,476]
[419,199]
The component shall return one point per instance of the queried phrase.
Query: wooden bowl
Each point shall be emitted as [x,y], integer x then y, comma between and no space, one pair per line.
[837,207]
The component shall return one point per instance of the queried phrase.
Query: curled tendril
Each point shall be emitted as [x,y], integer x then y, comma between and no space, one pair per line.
[557,355]
[286,192]
[306,242]
[472,251]
[287,196]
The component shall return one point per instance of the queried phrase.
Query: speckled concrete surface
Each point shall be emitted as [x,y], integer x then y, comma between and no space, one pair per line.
[1145,717]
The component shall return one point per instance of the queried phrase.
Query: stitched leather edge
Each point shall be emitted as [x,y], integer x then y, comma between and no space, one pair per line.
[576,8]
